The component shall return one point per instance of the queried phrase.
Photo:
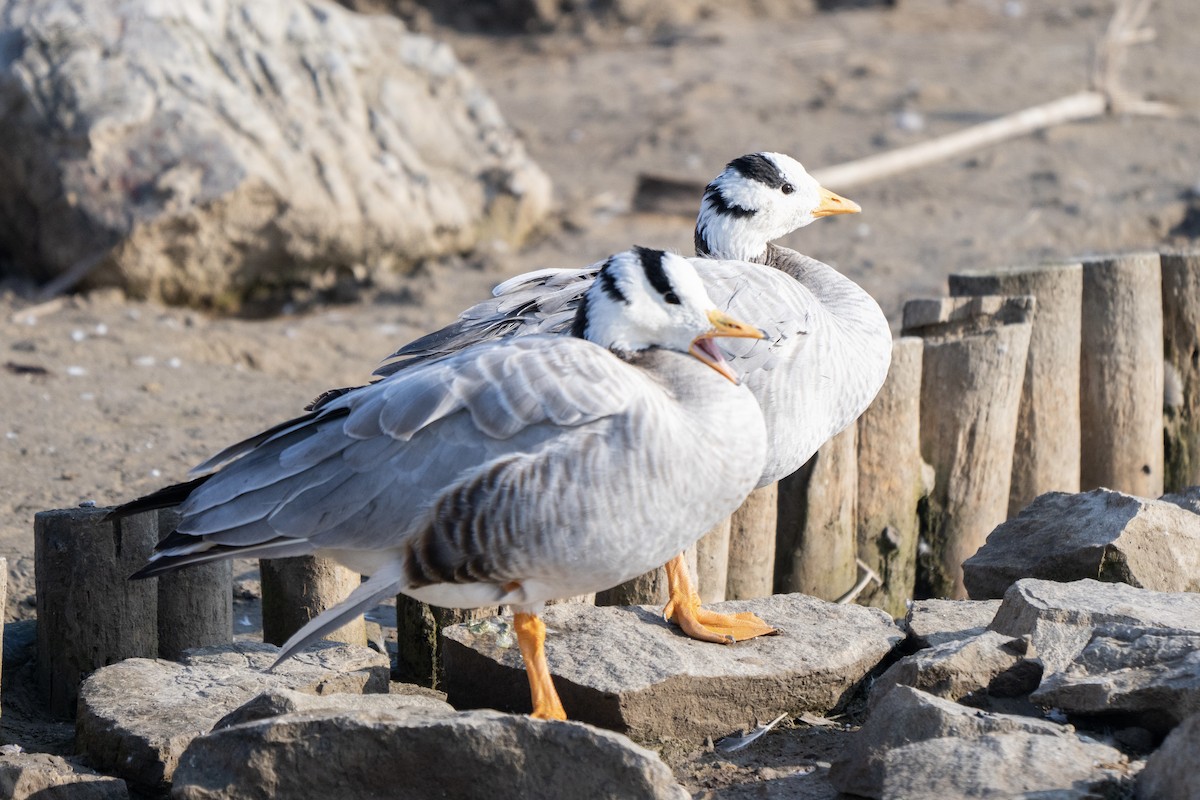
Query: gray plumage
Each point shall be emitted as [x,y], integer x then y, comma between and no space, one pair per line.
[828,344]
[514,472]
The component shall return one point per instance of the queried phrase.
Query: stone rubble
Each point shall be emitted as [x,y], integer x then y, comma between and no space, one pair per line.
[137,717]
[41,776]
[418,754]
[1101,534]
[625,669]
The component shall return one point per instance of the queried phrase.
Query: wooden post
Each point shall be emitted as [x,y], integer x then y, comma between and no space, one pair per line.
[3,606]
[1121,375]
[89,613]
[419,629]
[1181,352]
[972,371]
[712,562]
[195,604]
[890,483]
[1046,455]
[816,542]
[752,545]
[294,590]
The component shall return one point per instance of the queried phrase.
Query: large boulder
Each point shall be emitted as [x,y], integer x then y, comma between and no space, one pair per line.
[625,669]
[137,716]
[1101,534]
[195,151]
[418,754]
[932,622]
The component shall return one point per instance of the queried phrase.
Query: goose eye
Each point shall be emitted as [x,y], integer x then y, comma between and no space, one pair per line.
[787,188]
[671,298]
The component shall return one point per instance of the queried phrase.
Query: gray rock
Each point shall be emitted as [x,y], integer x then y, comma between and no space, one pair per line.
[136,717]
[41,776]
[906,715]
[932,622]
[1059,617]
[1101,534]
[194,152]
[277,702]
[1011,765]
[1170,773]
[1147,677]
[988,664]
[418,755]
[624,669]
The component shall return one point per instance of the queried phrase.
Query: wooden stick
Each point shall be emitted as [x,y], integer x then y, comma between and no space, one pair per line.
[972,369]
[815,547]
[752,546]
[195,605]
[1121,375]
[294,590]
[1181,339]
[890,480]
[1046,458]
[89,613]
[1081,105]
[712,562]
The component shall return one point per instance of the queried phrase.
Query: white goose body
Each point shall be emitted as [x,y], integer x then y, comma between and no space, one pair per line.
[828,344]
[513,472]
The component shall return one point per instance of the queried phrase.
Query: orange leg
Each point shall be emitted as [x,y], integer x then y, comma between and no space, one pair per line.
[531,636]
[683,608]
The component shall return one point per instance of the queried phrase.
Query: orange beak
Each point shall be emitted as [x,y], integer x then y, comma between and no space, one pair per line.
[834,204]
[724,325]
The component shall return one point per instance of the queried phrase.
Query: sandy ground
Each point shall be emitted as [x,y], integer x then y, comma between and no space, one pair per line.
[103,399]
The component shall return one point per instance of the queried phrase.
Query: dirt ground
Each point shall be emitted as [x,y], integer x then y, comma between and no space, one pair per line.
[103,398]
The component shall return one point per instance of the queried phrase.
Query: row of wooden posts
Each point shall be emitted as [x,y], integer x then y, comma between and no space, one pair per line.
[1048,378]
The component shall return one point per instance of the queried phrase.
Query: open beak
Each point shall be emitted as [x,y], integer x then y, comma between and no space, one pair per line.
[706,350]
[834,204]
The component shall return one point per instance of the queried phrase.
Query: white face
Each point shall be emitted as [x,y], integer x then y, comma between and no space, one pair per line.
[759,197]
[646,298]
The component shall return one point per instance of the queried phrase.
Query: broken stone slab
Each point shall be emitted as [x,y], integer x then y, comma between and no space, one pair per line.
[625,669]
[136,717]
[972,670]
[1059,618]
[1188,497]
[484,755]
[1111,536]
[1170,772]
[277,702]
[907,715]
[194,153]
[932,622]
[41,776]
[1146,677]
[1017,764]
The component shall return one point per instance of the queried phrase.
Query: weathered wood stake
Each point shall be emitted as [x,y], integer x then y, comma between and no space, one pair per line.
[195,605]
[3,606]
[1046,455]
[1181,351]
[1121,375]
[972,371]
[89,613]
[712,562]
[890,483]
[752,545]
[816,541]
[294,590]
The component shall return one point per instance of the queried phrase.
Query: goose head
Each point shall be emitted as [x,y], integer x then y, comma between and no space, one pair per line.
[758,198]
[645,298]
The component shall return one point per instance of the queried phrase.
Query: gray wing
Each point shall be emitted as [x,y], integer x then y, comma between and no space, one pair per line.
[368,466]
[544,301]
